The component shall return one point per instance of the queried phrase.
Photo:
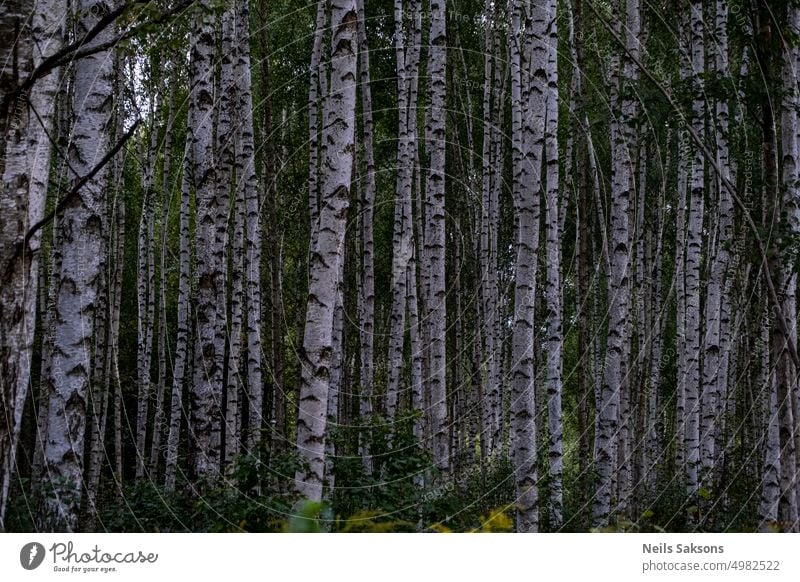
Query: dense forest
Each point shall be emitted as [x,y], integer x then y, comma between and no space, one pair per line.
[399,265]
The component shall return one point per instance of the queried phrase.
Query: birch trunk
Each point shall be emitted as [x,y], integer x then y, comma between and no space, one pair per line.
[367,312]
[272,158]
[206,391]
[339,125]
[82,262]
[182,338]
[235,383]
[434,244]
[248,181]
[553,345]
[407,50]
[145,296]
[529,51]
[317,90]
[694,248]
[25,166]
[622,188]
[491,181]
[786,375]
[166,192]
[771,468]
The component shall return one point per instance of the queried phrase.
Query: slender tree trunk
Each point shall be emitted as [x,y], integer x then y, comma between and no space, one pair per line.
[622,188]
[367,313]
[182,338]
[247,181]
[145,295]
[235,383]
[434,244]
[407,50]
[491,181]
[119,250]
[336,377]
[554,202]
[256,366]
[25,167]
[328,251]
[158,417]
[529,51]
[693,254]
[81,268]
[771,468]
[206,391]
[317,93]
[118,226]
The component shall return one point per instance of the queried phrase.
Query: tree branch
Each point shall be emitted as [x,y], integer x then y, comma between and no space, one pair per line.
[23,244]
[79,50]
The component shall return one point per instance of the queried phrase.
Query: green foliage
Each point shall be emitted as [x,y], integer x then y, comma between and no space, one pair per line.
[242,502]
[309,517]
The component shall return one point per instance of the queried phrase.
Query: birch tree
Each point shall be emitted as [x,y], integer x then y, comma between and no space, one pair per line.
[434,243]
[82,263]
[247,181]
[31,32]
[553,205]
[622,188]
[367,290]
[717,336]
[206,393]
[339,123]
[407,52]
[528,52]
[693,252]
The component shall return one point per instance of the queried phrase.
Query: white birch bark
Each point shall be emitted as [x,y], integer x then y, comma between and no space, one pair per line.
[622,189]
[317,90]
[248,181]
[339,124]
[182,338]
[434,243]
[407,50]
[206,390]
[145,294]
[771,468]
[367,291]
[493,102]
[336,372]
[166,193]
[528,53]
[694,248]
[786,376]
[84,227]
[25,166]
[118,238]
[717,336]
[553,345]
[235,383]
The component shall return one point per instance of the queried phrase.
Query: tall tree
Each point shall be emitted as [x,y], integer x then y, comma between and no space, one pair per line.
[694,250]
[367,289]
[623,124]
[209,352]
[31,32]
[529,52]
[407,41]
[247,181]
[338,134]
[82,262]
[434,239]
